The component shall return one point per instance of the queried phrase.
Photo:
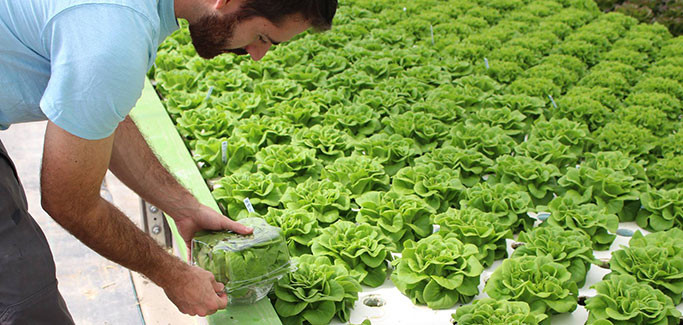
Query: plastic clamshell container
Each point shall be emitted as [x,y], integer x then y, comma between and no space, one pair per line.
[248,265]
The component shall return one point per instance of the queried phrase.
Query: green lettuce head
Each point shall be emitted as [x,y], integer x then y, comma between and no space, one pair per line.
[568,212]
[329,143]
[363,249]
[539,178]
[482,229]
[289,162]
[298,226]
[205,123]
[218,157]
[625,137]
[400,217]
[609,188]
[509,201]
[423,127]
[511,121]
[545,285]
[575,135]
[662,209]
[262,190]
[440,188]
[356,119]
[621,299]
[488,311]
[549,152]
[571,248]
[471,163]
[328,200]
[357,173]
[438,271]
[654,259]
[316,292]
[302,112]
[264,130]
[489,140]
[666,173]
[393,151]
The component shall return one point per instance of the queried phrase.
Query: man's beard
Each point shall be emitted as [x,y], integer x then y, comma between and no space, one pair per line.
[212,34]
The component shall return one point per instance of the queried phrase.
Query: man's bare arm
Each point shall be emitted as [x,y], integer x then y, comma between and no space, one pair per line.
[71,175]
[134,163]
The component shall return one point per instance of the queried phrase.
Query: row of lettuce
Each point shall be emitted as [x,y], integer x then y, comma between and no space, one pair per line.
[468,116]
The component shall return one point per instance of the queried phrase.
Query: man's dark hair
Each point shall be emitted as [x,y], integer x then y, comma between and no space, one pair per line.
[318,12]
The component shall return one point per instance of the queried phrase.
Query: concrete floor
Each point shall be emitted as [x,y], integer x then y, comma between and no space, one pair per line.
[96,290]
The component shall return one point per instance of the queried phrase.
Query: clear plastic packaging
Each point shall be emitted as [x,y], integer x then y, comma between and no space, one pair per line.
[249,265]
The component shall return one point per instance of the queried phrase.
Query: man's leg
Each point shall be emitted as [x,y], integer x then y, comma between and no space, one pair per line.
[28,285]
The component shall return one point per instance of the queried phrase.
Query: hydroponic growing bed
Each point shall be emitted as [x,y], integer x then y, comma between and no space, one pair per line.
[466,116]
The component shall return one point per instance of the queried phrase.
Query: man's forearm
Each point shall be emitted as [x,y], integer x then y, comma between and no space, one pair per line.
[134,163]
[110,233]
[71,176]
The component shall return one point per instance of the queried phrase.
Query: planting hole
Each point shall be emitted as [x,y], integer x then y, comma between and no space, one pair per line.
[374,301]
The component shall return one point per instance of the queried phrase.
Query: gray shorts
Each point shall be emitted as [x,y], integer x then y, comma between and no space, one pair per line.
[28,285]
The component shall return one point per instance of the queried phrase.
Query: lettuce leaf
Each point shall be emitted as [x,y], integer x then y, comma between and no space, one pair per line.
[612,189]
[422,127]
[358,120]
[489,140]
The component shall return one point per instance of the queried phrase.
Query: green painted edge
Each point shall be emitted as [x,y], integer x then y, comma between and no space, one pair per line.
[156,126]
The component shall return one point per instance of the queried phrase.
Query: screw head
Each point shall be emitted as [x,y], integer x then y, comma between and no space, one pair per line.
[153,209]
[156,230]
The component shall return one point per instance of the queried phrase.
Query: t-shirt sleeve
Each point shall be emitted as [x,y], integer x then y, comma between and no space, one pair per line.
[99,55]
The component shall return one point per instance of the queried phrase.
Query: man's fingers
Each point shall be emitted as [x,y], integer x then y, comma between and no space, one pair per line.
[238,227]
[222,301]
[218,287]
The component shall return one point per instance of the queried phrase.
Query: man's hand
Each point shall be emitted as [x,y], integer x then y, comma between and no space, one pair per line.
[204,217]
[196,292]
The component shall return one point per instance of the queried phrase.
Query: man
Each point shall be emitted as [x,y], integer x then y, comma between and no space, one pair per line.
[81,64]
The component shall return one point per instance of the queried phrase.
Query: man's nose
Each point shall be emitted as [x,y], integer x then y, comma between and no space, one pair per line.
[257,51]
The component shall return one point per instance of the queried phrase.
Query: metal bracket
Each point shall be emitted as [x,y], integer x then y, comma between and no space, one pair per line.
[155,224]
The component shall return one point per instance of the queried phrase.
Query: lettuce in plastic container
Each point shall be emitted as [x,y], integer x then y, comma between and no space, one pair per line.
[248,265]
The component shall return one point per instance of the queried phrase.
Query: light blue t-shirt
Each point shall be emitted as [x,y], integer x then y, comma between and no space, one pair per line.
[79,63]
